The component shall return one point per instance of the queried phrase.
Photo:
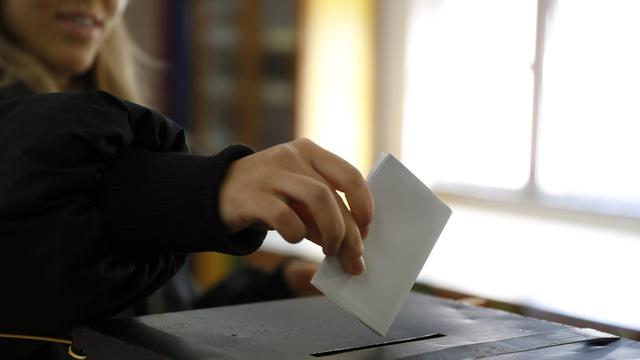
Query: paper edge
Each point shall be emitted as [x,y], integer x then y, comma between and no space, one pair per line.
[358,312]
[346,305]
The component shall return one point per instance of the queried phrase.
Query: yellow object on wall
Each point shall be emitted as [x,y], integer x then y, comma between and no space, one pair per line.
[336,92]
[209,268]
[336,77]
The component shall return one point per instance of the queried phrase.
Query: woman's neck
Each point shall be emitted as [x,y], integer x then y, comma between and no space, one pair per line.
[63,81]
[75,82]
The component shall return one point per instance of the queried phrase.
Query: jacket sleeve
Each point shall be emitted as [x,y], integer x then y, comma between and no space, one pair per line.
[98,204]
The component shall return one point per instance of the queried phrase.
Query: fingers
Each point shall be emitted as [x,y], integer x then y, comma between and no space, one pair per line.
[327,219]
[292,188]
[344,177]
[350,244]
[351,249]
[321,204]
[336,173]
[273,211]
[298,274]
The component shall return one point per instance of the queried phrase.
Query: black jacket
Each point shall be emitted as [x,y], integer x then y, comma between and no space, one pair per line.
[98,205]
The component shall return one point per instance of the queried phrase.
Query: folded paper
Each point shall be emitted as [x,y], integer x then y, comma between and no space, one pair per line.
[407,223]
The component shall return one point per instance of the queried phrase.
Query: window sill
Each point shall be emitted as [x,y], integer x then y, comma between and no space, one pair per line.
[563,266]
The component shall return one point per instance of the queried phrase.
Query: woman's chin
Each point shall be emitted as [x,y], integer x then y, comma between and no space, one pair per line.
[72,66]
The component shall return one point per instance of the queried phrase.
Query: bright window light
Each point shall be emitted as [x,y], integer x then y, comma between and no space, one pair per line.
[469,91]
[336,78]
[590,117]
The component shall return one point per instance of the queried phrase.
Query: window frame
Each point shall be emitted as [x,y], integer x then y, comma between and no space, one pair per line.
[531,195]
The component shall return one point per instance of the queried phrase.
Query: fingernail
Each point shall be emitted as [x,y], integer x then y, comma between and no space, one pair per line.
[364,233]
[360,266]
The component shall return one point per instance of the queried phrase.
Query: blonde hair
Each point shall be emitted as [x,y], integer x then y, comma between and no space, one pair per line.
[116,67]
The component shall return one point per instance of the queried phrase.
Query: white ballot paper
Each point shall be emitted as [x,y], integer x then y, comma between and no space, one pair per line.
[407,223]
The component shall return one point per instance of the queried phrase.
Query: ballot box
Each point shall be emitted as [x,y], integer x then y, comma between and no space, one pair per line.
[315,328]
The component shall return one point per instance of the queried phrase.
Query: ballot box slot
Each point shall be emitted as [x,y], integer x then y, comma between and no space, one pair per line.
[375,345]
[518,344]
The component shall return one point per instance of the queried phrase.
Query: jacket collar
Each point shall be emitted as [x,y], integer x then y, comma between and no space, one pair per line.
[15,90]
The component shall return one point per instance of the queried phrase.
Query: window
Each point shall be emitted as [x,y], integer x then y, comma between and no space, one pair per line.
[528,101]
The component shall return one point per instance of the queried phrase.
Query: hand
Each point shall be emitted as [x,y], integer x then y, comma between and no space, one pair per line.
[292,188]
[298,274]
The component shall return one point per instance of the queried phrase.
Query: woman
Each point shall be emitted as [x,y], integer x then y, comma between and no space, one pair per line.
[98,203]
